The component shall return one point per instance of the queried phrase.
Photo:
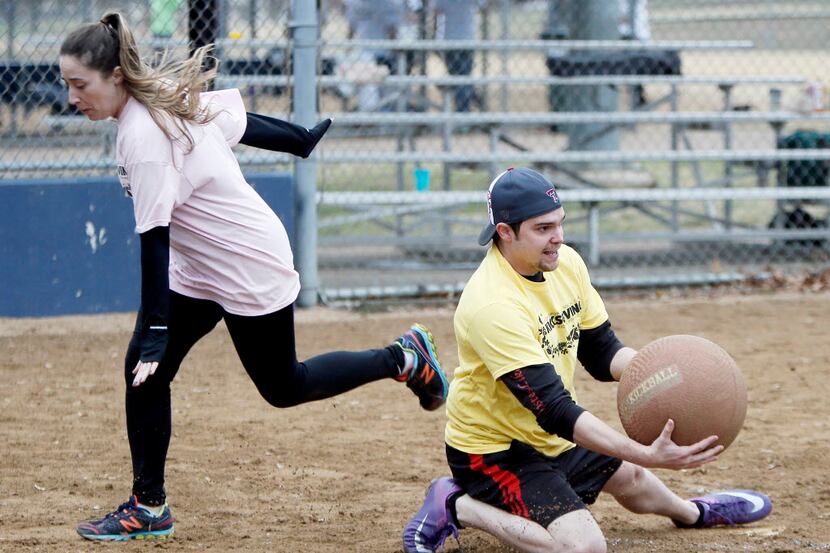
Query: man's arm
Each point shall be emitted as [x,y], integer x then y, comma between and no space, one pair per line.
[621,361]
[539,389]
[603,354]
[591,433]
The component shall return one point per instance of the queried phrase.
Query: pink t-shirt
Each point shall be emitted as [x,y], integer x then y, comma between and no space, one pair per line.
[226,244]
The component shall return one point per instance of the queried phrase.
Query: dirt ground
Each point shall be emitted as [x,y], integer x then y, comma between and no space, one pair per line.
[346,474]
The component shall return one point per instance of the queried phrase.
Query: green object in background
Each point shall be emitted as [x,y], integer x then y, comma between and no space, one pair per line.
[163,17]
[807,172]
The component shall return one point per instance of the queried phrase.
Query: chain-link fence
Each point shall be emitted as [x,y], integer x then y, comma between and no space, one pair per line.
[688,138]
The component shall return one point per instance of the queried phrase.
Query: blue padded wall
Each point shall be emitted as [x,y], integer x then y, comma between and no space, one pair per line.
[69,246]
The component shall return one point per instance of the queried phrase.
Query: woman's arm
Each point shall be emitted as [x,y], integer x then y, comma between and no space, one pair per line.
[269,133]
[155,301]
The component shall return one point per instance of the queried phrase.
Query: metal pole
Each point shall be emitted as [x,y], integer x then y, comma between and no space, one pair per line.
[593,20]
[203,26]
[304,32]
[485,54]
[780,205]
[727,145]
[10,17]
[222,28]
[252,20]
[675,166]
[505,56]
[593,234]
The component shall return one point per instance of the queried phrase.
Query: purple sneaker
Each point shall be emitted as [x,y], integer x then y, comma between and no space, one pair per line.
[433,523]
[730,507]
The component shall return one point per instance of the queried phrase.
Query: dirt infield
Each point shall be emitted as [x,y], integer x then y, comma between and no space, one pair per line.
[345,474]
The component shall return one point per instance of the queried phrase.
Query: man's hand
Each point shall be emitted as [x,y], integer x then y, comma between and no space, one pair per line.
[664,453]
[142,370]
[592,433]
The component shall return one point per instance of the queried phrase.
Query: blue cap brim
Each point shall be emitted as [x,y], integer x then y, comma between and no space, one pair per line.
[486,234]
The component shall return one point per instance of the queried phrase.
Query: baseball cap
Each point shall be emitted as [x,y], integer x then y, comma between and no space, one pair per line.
[516,195]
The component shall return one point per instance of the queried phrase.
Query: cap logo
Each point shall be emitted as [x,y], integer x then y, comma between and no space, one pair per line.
[553,195]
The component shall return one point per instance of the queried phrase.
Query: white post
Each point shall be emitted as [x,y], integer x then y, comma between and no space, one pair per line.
[304,31]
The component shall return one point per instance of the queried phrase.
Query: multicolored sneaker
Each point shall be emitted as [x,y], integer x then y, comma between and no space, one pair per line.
[729,508]
[425,378]
[129,522]
[433,523]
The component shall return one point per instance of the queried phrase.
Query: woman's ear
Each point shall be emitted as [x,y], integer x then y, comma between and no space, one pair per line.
[118,75]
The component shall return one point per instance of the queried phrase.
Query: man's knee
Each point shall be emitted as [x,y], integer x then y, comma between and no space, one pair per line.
[594,546]
[577,532]
[586,544]
[627,480]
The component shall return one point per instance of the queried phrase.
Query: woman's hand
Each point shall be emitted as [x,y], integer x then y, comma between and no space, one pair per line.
[142,370]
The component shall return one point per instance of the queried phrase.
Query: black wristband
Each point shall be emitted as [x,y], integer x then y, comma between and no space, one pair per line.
[153,343]
[155,293]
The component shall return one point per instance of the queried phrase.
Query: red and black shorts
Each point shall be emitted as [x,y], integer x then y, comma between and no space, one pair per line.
[522,481]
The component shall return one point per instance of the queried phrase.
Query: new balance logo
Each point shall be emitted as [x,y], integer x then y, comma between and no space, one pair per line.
[427,374]
[130,524]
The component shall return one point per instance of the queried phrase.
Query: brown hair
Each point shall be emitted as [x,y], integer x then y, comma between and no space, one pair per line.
[170,91]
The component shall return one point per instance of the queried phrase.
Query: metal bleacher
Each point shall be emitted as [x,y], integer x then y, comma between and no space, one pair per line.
[601,183]
[592,178]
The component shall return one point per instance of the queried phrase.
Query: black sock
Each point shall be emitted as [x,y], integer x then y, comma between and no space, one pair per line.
[699,522]
[400,359]
[451,508]
[696,524]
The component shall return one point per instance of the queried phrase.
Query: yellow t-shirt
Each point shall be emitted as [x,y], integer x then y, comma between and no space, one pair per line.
[505,322]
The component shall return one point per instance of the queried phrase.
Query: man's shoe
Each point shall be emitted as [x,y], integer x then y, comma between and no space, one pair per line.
[433,523]
[129,522]
[425,378]
[729,508]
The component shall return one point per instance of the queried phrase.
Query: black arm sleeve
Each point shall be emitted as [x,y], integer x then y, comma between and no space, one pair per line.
[597,347]
[269,133]
[540,389]
[155,292]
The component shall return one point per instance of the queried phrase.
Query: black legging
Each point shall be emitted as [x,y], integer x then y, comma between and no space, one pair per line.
[266,347]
